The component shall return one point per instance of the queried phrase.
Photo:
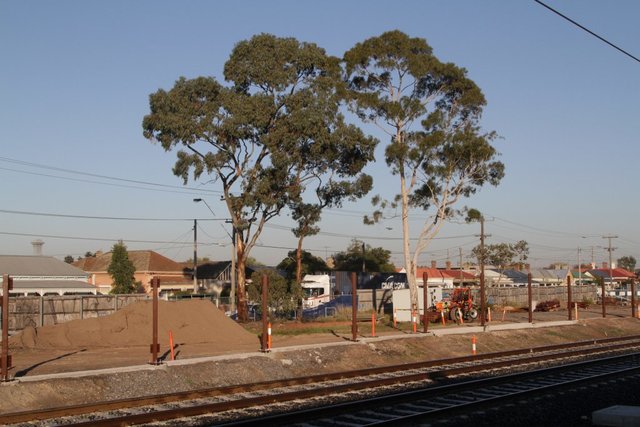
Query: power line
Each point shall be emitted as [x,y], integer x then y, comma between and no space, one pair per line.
[71,171]
[111,218]
[87,181]
[102,239]
[587,30]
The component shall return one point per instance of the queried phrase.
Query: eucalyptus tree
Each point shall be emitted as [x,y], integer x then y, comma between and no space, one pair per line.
[430,111]
[329,193]
[261,136]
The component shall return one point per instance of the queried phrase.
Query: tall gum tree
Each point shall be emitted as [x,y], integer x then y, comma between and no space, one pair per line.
[263,136]
[430,111]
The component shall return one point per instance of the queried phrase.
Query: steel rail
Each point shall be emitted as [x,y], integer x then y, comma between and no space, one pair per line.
[412,406]
[613,343]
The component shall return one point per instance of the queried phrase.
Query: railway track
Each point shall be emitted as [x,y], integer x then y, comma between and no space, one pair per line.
[267,399]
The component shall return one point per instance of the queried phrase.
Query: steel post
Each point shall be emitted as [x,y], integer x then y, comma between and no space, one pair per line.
[425,297]
[354,308]
[5,359]
[155,346]
[530,296]
[265,320]
[570,313]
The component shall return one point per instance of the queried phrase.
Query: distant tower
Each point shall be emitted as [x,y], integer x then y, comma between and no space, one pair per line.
[37,247]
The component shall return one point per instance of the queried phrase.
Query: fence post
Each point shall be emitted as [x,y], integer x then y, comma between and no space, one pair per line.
[265,327]
[570,313]
[155,346]
[5,358]
[425,297]
[633,299]
[530,297]
[81,307]
[41,309]
[354,308]
[604,300]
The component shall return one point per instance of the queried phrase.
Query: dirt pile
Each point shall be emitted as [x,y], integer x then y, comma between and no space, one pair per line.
[192,321]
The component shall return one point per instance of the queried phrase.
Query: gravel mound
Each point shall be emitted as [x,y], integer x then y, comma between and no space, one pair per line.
[190,321]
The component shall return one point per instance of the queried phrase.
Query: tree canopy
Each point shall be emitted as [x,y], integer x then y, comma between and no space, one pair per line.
[430,111]
[628,263]
[265,137]
[375,259]
[282,296]
[310,264]
[121,270]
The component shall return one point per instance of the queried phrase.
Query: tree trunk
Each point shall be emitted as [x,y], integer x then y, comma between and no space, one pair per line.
[243,312]
[409,265]
[299,262]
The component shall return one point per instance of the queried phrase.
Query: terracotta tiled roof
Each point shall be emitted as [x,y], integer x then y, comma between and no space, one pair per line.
[143,261]
[433,273]
[456,274]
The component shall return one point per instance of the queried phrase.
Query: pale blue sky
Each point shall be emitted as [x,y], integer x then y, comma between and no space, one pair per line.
[76,76]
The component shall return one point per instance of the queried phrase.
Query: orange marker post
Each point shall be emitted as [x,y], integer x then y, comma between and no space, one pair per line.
[171,345]
[269,337]
[473,345]
[444,322]
[504,311]
[460,316]
[489,314]
[413,320]
[575,305]
[395,318]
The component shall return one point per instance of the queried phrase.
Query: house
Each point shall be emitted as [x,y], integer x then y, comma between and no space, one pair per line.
[496,278]
[435,277]
[544,277]
[518,278]
[174,277]
[614,276]
[42,275]
[215,277]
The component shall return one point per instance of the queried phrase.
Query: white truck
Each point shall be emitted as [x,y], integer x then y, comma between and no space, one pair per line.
[316,290]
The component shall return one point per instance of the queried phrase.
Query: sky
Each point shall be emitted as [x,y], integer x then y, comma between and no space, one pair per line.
[77,173]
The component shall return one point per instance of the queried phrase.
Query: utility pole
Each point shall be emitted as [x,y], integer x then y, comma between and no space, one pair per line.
[610,249]
[579,268]
[195,256]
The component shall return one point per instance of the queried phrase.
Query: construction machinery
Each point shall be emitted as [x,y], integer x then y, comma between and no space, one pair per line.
[459,306]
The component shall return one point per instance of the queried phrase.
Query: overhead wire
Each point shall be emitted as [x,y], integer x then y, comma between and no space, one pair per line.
[587,30]
[71,171]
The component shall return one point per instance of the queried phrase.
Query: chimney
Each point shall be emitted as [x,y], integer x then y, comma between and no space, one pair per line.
[448,265]
[528,267]
[605,265]
[434,264]
[37,247]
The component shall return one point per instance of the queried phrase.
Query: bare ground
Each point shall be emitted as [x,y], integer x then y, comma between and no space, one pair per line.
[237,358]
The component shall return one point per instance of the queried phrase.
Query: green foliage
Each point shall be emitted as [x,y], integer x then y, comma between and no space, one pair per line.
[310,264]
[270,135]
[283,295]
[431,112]
[121,270]
[502,254]
[68,259]
[375,259]
[628,263]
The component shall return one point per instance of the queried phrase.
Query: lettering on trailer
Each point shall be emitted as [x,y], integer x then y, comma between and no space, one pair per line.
[394,282]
